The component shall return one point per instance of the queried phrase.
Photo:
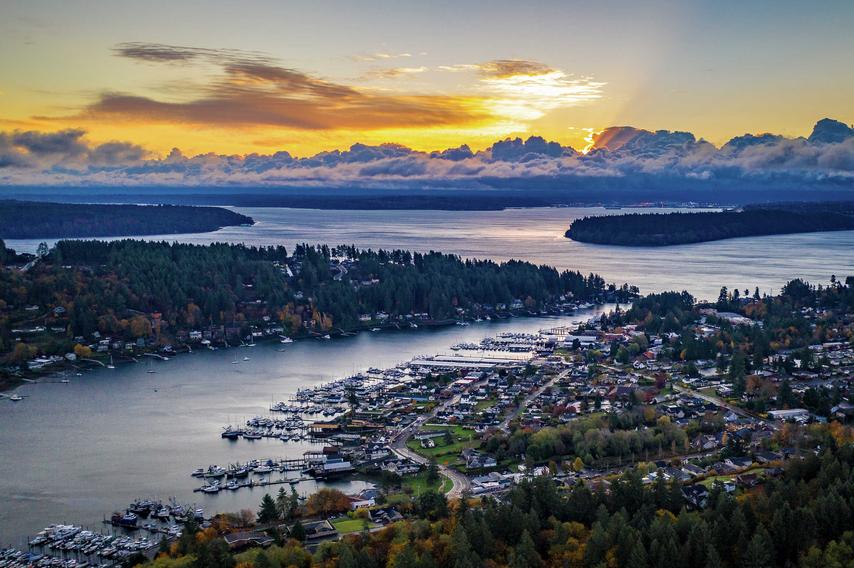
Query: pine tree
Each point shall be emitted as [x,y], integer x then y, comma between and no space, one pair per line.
[267,513]
[525,554]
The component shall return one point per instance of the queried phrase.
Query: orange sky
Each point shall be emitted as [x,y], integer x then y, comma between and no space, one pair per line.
[268,76]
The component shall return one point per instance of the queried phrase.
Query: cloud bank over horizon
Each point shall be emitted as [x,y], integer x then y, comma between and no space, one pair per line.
[66,158]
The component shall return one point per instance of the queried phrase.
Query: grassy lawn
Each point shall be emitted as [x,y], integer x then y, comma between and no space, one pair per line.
[346,525]
[710,481]
[418,484]
[484,404]
[445,453]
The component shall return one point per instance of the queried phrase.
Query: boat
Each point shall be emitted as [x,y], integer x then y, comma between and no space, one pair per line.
[231,433]
[212,487]
[214,472]
[237,472]
[111,365]
[15,397]
[127,520]
[200,472]
[286,340]
[232,485]
[141,508]
[252,436]
[246,358]
[463,323]
[263,469]
[163,513]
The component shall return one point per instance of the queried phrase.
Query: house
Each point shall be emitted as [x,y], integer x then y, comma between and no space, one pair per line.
[768,457]
[246,539]
[739,463]
[697,495]
[385,515]
[786,415]
[319,530]
[693,470]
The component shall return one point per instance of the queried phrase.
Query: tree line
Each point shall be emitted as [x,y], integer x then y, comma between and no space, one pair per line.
[657,229]
[37,220]
[800,519]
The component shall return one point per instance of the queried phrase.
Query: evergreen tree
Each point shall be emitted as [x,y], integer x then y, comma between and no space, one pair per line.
[267,512]
[525,554]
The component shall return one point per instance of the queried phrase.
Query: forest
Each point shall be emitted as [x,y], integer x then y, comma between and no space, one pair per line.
[664,229]
[132,289]
[803,517]
[38,220]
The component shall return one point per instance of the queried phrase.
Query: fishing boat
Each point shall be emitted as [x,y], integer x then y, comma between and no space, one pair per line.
[231,433]
[163,512]
[127,520]
[214,472]
[235,472]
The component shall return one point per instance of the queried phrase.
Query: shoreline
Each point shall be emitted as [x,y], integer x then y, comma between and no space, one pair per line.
[68,366]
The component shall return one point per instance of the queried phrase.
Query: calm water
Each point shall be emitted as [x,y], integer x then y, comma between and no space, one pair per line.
[74,452]
[537,235]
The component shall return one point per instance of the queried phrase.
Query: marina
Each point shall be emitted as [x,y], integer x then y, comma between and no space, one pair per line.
[176,415]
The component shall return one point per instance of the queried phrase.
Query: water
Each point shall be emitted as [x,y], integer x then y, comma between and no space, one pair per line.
[536,235]
[72,453]
[75,452]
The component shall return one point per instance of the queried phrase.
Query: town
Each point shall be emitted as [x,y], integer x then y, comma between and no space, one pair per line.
[693,400]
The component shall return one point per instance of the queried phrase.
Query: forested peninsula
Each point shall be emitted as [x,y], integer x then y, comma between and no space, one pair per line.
[37,220]
[663,229]
[132,294]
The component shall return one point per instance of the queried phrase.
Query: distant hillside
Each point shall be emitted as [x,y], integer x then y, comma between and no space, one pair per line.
[36,220]
[657,229]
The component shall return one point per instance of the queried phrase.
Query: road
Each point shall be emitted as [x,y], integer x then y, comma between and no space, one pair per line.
[505,424]
[460,482]
[723,404]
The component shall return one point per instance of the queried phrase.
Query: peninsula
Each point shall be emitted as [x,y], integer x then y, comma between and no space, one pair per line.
[32,220]
[657,229]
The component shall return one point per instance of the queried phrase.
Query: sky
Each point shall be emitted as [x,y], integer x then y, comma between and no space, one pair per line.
[258,77]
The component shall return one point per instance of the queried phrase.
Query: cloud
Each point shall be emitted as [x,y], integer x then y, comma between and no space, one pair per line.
[252,90]
[380,56]
[65,149]
[395,72]
[504,68]
[622,154]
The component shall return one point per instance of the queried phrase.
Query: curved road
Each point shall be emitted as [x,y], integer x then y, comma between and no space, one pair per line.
[460,482]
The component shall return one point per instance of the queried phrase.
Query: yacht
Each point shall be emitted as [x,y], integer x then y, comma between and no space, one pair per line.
[213,487]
